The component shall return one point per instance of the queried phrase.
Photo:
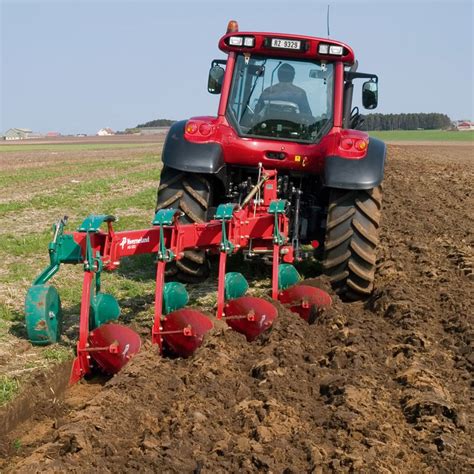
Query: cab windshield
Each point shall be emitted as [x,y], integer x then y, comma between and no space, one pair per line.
[281,98]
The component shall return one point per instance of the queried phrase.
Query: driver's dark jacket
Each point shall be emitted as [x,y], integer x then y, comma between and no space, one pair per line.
[285,91]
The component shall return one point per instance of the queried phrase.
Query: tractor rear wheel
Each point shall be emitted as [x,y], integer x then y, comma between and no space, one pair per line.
[191,193]
[352,236]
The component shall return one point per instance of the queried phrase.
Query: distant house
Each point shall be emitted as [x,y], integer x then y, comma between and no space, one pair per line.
[463,125]
[20,134]
[53,134]
[104,132]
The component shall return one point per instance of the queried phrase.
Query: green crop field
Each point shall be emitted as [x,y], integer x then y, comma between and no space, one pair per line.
[56,147]
[424,135]
[39,185]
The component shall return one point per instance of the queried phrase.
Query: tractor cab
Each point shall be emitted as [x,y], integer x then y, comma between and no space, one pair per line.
[286,87]
[289,99]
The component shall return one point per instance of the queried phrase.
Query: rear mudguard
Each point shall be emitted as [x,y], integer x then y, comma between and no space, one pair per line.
[365,173]
[180,154]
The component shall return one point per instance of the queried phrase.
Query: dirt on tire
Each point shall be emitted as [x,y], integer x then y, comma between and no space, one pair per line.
[376,386]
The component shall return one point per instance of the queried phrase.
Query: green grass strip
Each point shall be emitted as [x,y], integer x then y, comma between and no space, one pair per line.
[75,170]
[5,148]
[8,388]
[425,135]
[70,195]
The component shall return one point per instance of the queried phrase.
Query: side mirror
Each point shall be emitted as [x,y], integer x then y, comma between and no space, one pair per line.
[216,78]
[370,94]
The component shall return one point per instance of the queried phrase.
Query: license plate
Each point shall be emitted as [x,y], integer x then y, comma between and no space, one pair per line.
[285,44]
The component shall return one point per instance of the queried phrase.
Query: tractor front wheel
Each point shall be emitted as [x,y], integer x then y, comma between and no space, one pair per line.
[352,236]
[190,193]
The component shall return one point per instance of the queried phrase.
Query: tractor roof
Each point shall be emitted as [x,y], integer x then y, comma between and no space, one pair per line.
[287,45]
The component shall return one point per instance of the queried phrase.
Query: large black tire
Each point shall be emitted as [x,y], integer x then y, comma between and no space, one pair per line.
[352,236]
[191,193]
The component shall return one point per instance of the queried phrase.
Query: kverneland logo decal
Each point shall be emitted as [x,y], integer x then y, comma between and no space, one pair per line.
[133,242]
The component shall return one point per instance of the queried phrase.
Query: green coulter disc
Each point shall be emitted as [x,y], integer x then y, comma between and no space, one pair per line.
[175,296]
[287,276]
[43,315]
[235,285]
[104,308]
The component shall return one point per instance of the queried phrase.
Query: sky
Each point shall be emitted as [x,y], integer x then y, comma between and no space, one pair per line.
[75,66]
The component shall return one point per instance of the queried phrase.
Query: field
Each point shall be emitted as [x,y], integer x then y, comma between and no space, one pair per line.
[378,386]
[40,184]
[425,136]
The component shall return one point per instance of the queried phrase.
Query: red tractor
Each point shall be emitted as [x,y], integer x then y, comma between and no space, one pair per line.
[280,167]
[286,104]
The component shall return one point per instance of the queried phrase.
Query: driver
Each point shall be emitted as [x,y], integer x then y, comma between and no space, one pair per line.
[285,90]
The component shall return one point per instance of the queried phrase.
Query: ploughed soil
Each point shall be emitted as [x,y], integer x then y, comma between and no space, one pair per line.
[376,386]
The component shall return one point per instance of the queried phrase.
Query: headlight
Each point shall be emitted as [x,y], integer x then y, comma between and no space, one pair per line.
[249,41]
[333,49]
[236,41]
[323,49]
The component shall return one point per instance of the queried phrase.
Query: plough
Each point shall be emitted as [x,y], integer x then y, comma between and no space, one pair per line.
[260,222]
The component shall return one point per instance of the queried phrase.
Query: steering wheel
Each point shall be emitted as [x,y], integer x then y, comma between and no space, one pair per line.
[280,106]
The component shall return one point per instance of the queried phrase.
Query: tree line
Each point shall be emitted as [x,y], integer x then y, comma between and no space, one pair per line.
[431,121]
[414,121]
[157,123]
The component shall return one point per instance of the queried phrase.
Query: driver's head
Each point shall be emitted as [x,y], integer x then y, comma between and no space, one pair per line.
[286,73]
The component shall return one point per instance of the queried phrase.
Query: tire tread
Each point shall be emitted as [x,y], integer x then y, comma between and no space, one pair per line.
[351,241]
[192,194]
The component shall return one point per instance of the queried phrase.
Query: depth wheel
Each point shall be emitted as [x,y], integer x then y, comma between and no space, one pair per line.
[352,237]
[43,315]
[191,193]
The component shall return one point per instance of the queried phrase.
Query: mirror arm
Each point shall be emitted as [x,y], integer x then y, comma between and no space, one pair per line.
[351,75]
[217,62]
